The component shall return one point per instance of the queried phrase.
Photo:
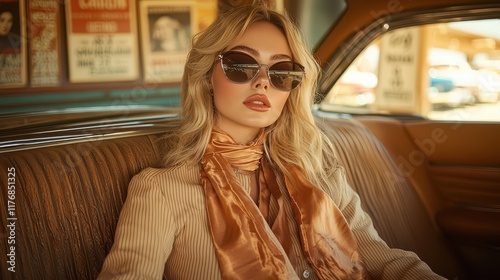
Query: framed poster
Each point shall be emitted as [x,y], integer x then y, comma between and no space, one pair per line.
[102,40]
[12,44]
[44,43]
[166,31]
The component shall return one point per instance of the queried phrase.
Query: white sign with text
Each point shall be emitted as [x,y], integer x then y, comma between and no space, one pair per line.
[398,71]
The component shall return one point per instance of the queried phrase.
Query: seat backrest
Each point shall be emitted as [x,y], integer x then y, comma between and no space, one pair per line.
[388,197]
[403,149]
[68,199]
[67,202]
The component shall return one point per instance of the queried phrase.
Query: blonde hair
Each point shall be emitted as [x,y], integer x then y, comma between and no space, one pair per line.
[292,139]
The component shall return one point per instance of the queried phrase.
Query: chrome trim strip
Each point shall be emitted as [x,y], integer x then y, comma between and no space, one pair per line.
[46,129]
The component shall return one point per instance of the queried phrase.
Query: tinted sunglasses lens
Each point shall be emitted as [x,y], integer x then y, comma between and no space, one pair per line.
[239,67]
[286,75]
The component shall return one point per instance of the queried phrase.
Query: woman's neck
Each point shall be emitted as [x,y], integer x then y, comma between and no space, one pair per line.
[241,136]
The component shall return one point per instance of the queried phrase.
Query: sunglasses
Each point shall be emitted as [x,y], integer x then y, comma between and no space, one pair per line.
[241,68]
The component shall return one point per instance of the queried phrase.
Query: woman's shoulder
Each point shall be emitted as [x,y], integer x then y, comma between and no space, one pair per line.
[336,186]
[178,189]
[184,174]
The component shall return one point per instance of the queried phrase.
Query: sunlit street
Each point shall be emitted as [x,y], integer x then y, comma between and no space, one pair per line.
[477,112]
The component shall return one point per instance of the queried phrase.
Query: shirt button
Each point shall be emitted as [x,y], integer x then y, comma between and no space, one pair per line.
[306,274]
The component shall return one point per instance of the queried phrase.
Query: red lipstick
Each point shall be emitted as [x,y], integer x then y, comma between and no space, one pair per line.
[258,102]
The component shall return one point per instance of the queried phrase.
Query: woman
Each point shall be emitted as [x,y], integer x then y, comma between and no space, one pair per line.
[244,193]
[6,22]
[8,40]
[168,36]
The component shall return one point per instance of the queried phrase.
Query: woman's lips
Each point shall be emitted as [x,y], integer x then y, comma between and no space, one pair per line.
[258,102]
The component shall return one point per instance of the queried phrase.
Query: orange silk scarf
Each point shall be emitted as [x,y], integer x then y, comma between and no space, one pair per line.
[246,246]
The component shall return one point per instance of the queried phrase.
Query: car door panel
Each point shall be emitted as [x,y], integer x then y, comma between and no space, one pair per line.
[462,143]
[468,186]
[460,163]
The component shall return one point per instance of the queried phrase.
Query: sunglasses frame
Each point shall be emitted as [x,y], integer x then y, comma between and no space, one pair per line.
[221,56]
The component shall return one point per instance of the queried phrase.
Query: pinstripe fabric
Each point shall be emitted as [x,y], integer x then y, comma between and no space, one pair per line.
[163,231]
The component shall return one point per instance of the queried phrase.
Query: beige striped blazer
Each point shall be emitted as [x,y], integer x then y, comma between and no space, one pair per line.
[163,232]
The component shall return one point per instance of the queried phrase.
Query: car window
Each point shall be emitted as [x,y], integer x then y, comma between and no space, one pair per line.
[445,71]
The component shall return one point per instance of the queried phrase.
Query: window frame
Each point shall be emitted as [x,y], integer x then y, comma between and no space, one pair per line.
[347,53]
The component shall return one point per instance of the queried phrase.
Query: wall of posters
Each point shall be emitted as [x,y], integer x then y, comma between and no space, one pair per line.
[166,29]
[12,44]
[102,40]
[43,18]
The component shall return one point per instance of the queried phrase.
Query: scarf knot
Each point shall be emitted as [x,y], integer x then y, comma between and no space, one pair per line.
[240,156]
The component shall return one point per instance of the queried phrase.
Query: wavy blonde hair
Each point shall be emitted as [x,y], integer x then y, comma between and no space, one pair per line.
[293,139]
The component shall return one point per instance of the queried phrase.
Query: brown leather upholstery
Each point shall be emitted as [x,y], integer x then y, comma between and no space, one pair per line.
[455,170]
[396,210]
[408,158]
[68,199]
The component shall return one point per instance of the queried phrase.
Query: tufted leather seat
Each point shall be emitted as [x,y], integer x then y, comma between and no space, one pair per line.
[68,198]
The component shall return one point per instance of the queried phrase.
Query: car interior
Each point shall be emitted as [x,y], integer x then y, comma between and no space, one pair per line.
[430,185]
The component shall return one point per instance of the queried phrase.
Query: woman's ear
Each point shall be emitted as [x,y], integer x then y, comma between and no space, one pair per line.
[210,87]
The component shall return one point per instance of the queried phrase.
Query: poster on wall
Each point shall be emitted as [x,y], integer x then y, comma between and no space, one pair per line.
[12,44]
[44,44]
[166,30]
[102,40]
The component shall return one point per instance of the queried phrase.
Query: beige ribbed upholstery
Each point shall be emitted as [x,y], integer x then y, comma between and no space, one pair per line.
[68,199]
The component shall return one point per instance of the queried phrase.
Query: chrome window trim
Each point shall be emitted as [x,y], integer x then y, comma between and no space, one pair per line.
[27,131]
